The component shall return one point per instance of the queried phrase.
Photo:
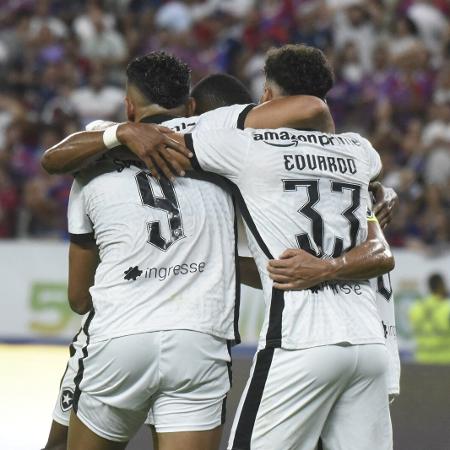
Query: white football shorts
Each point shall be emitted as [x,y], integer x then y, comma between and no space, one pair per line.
[181,376]
[63,406]
[334,393]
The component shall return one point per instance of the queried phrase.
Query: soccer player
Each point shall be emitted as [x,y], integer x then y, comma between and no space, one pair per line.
[87,258]
[321,361]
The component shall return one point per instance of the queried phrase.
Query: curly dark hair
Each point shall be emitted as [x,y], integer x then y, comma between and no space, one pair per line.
[299,69]
[218,90]
[162,78]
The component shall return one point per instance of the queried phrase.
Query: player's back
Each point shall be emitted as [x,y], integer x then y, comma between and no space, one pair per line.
[168,248]
[166,252]
[309,190]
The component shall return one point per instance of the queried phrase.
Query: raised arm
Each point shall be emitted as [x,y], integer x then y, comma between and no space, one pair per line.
[78,149]
[386,201]
[298,111]
[297,269]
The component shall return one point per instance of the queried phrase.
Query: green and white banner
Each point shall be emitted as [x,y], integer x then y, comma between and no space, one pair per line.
[33,286]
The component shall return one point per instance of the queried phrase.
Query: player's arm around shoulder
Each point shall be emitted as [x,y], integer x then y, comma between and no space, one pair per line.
[83,261]
[151,143]
[76,150]
[298,111]
[298,270]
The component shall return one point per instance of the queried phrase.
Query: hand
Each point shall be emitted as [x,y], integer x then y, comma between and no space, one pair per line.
[296,270]
[152,144]
[386,200]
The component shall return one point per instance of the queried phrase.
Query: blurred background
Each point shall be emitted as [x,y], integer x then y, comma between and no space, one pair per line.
[62,65]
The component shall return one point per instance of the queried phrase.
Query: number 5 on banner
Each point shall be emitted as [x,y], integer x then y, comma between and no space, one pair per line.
[49,307]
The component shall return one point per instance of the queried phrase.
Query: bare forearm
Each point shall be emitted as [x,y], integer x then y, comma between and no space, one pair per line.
[83,262]
[72,153]
[300,111]
[297,269]
[368,260]
[249,272]
[150,143]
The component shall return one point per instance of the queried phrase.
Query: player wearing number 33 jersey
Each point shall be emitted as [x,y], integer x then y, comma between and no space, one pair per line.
[308,190]
[164,296]
[320,367]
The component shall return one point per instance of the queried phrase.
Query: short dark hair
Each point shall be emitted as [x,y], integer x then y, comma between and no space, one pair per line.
[436,282]
[162,78]
[219,90]
[299,69]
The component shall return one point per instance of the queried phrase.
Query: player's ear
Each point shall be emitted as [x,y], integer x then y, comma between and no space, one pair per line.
[131,113]
[190,106]
[267,94]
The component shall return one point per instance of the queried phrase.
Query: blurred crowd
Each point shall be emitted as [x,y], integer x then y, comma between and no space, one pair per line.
[62,65]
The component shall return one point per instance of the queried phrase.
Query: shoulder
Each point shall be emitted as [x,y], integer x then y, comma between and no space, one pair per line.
[230,117]
[181,124]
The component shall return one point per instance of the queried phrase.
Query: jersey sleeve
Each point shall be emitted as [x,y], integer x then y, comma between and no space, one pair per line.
[227,117]
[80,226]
[99,125]
[181,124]
[219,151]
[374,160]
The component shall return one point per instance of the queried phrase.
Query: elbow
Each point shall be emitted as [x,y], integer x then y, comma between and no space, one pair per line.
[388,262]
[48,164]
[391,263]
[319,107]
[321,117]
[80,304]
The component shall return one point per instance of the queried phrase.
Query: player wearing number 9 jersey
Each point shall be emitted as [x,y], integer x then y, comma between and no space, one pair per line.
[320,367]
[164,291]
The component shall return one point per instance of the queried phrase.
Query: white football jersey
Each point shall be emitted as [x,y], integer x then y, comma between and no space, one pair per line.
[167,249]
[301,189]
[386,308]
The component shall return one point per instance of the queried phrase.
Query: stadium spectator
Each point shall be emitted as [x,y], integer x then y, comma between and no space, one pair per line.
[429,319]
[61,63]
[97,99]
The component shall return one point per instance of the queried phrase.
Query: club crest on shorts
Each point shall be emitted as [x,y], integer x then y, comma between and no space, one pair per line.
[66,399]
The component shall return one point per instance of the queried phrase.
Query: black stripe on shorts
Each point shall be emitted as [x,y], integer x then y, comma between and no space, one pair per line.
[71,353]
[247,417]
[80,373]
[230,378]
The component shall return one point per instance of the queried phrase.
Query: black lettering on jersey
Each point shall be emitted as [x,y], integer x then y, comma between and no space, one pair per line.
[322,163]
[288,164]
[167,203]
[303,239]
[331,164]
[317,162]
[341,164]
[348,213]
[314,245]
[312,164]
[324,139]
[351,165]
[182,126]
